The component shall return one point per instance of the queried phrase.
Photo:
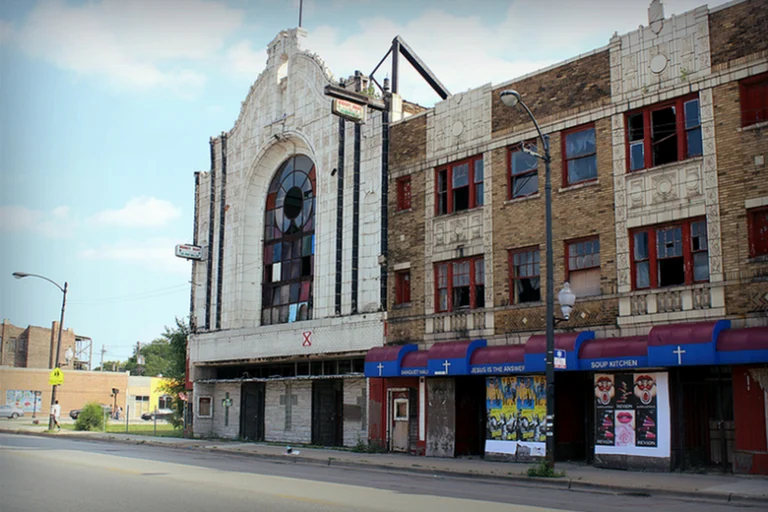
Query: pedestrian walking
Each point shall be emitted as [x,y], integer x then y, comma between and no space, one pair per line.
[56,414]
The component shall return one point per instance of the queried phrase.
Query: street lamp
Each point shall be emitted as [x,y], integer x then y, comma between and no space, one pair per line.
[22,275]
[566,298]
[511,99]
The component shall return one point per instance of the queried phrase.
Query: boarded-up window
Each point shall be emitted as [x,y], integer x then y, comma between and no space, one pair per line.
[758,232]
[204,406]
[584,267]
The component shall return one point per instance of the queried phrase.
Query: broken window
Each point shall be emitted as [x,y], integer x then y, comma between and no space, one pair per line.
[289,242]
[700,250]
[657,135]
[442,192]
[524,274]
[460,284]
[583,268]
[670,255]
[524,173]
[460,186]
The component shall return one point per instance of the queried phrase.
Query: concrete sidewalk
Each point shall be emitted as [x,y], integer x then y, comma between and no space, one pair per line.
[745,490]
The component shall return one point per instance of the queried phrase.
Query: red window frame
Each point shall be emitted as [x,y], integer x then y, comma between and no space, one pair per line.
[404,193]
[757,226]
[444,176]
[566,160]
[402,287]
[511,177]
[681,131]
[444,280]
[570,258]
[512,277]
[652,257]
[753,97]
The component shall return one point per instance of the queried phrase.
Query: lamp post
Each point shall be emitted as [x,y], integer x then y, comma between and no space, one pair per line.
[22,275]
[511,99]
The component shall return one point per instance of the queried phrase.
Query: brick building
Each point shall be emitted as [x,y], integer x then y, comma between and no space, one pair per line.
[660,225]
[34,347]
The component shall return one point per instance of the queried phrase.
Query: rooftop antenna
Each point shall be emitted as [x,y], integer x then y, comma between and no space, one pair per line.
[301,6]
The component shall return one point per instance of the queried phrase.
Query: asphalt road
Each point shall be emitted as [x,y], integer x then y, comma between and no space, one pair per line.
[46,473]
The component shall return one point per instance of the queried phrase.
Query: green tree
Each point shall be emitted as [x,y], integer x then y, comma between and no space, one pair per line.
[91,417]
[111,366]
[176,369]
[156,359]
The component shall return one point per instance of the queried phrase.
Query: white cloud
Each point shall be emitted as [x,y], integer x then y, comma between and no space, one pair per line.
[61,211]
[243,60]
[18,219]
[139,212]
[466,52]
[135,44]
[155,254]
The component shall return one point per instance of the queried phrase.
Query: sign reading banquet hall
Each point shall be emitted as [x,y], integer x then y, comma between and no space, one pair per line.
[632,414]
[517,408]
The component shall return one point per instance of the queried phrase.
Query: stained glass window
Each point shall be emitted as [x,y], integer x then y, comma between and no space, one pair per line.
[289,243]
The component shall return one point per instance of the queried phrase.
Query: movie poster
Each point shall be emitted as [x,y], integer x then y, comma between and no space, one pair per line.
[646,410]
[626,410]
[605,396]
[517,408]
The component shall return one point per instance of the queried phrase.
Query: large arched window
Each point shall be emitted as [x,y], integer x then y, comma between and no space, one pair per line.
[289,243]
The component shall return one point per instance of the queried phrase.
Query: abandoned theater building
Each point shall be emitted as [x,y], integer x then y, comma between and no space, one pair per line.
[380,281]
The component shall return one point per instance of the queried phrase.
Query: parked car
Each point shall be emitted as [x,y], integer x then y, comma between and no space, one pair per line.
[162,414]
[9,411]
[74,413]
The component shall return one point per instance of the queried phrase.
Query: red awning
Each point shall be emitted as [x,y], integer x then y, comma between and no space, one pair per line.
[606,348]
[381,354]
[498,355]
[678,334]
[417,359]
[537,344]
[753,338]
[449,350]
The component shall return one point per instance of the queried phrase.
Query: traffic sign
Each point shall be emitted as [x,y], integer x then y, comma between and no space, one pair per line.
[560,361]
[56,378]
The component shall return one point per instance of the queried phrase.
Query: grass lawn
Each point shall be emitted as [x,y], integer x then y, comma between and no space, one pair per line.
[163,429]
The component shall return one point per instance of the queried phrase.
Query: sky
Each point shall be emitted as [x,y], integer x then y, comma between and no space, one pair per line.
[107,106]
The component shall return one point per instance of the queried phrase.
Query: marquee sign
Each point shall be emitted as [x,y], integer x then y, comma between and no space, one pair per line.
[190,252]
[349,110]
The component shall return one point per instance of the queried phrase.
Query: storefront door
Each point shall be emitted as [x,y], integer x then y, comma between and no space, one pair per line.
[400,421]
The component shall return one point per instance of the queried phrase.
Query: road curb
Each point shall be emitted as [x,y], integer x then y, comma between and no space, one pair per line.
[549,483]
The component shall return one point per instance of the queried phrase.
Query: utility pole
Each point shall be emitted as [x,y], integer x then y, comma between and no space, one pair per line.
[139,359]
[103,351]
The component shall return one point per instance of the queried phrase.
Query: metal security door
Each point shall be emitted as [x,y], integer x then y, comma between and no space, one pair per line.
[326,412]
[703,405]
[252,417]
